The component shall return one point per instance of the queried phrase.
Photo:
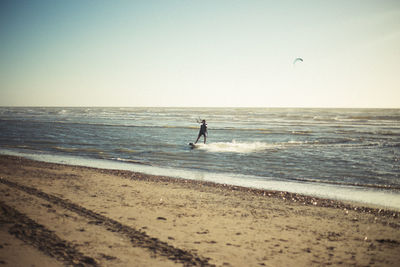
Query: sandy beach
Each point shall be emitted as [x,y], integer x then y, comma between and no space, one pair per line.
[54,214]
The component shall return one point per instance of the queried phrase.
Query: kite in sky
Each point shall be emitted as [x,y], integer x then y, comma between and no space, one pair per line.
[297,60]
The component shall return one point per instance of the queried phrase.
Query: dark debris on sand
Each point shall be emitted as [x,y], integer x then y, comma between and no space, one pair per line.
[286,196]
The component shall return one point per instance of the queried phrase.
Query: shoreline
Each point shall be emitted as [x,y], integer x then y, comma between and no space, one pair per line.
[190,222]
[285,195]
[375,197]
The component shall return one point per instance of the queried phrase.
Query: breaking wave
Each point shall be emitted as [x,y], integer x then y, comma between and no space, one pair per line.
[237,147]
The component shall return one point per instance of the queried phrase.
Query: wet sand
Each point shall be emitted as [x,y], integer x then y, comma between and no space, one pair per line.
[54,214]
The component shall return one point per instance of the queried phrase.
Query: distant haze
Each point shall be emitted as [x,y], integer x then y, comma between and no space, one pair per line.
[200,53]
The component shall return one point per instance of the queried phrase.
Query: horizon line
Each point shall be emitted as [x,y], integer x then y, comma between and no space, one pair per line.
[237,107]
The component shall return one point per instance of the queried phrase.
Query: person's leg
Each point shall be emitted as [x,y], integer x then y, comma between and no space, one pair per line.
[205,138]
[198,137]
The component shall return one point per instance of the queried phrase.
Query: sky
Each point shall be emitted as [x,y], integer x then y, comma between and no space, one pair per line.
[200,53]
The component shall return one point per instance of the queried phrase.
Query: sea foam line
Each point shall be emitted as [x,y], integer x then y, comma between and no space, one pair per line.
[369,196]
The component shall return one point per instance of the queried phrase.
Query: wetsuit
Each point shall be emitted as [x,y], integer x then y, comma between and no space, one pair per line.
[203,130]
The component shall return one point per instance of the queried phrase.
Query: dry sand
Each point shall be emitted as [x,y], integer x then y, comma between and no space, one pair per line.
[53,214]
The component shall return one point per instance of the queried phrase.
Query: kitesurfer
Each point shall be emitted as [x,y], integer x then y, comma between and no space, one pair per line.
[203,131]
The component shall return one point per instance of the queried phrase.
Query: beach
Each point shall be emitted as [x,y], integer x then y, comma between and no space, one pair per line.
[54,214]
[156,133]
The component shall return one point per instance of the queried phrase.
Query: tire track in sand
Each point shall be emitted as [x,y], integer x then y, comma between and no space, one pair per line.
[43,239]
[137,238]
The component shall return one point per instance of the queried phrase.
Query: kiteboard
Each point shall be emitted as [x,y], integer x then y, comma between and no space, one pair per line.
[193,145]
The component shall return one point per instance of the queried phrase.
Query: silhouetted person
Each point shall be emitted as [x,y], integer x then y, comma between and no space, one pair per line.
[203,131]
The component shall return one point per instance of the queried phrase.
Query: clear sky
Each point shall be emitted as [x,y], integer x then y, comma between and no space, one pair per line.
[200,53]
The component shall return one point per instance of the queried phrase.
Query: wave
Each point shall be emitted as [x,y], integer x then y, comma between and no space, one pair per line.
[130,161]
[159,126]
[252,147]
[236,147]
[375,117]
[319,181]
[125,150]
[79,149]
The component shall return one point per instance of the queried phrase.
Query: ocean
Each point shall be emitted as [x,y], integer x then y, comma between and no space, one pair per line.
[343,154]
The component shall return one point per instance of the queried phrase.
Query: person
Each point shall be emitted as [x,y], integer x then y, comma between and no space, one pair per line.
[203,131]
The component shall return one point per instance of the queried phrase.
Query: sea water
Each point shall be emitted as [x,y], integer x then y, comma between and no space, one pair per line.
[345,154]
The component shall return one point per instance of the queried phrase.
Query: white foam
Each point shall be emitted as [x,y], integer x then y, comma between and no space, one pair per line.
[236,147]
[250,147]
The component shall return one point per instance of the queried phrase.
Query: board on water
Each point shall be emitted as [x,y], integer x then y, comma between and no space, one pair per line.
[193,145]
